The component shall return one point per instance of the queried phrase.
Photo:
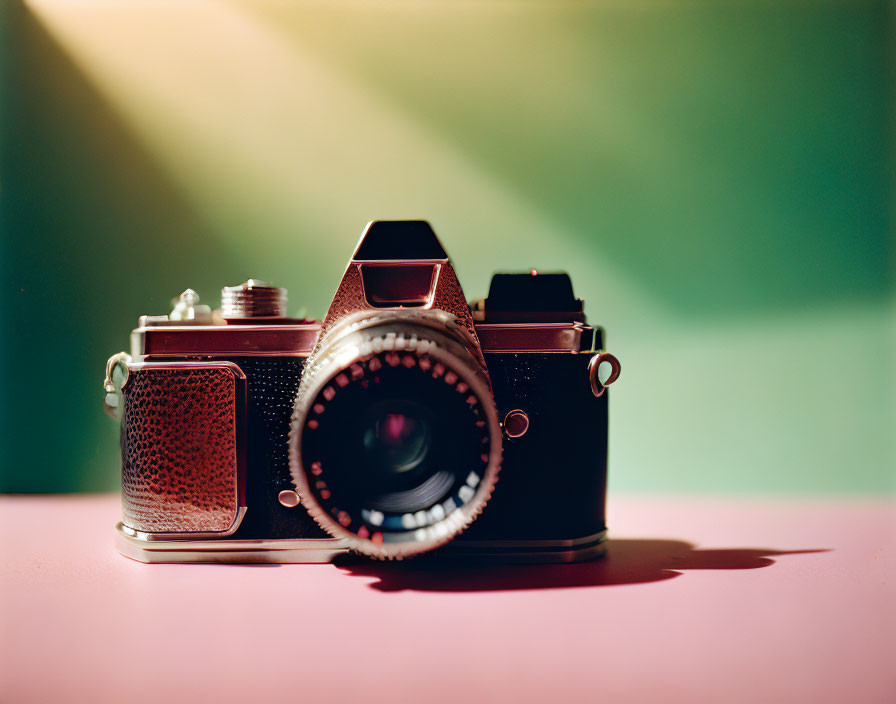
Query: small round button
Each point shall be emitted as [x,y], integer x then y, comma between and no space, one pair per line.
[516,423]
[288,498]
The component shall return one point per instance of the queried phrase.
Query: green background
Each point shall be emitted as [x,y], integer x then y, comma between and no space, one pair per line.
[716,177]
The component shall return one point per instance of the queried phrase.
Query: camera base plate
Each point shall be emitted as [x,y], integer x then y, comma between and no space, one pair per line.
[317,550]
[227,551]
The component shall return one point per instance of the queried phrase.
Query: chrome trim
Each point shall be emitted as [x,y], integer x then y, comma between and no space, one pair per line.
[319,550]
[229,551]
[288,339]
[142,365]
[299,338]
[535,337]
[199,535]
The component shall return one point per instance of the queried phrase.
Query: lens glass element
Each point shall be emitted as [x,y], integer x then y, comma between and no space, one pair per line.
[396,437]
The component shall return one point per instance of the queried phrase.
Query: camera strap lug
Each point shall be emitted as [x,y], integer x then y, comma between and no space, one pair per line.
[597,386]
[112,388]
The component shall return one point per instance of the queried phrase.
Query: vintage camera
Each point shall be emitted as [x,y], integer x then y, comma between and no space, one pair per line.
[250,436]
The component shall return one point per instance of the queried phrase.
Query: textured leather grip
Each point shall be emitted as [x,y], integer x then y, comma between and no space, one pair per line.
[181,447]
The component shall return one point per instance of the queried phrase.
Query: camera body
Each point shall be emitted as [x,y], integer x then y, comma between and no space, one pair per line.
[249,436]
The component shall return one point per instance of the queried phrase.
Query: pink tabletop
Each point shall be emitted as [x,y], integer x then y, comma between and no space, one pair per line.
[699,600]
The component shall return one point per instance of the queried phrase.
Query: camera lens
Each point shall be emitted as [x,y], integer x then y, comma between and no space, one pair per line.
[395,449]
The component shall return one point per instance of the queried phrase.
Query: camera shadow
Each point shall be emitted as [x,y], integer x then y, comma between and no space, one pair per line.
[628,561]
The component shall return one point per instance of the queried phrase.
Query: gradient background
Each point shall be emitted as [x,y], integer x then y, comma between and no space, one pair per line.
[716,177]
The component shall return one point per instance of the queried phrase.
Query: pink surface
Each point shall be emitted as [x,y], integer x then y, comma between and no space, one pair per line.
[699,600]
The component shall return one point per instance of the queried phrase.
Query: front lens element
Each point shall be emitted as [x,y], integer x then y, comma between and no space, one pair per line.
[396,437]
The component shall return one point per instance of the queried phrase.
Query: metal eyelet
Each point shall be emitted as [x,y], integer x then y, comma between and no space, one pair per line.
[598,387]
[112,392]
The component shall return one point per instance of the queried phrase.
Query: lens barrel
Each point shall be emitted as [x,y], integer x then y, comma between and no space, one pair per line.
[395,443]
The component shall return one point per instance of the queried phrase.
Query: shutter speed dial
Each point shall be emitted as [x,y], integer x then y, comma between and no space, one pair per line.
[253,299]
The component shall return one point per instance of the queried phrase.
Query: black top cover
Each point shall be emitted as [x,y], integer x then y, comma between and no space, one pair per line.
[532,297]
